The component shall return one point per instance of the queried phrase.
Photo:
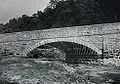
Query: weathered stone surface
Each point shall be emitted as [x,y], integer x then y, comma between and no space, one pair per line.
[92,36]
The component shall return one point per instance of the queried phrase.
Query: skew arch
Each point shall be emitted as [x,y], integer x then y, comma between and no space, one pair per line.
[74,40]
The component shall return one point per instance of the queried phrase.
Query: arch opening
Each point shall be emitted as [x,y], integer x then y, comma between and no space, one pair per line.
[47,52]
[69,52]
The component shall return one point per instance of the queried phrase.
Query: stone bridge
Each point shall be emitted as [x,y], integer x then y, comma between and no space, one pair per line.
[97,39]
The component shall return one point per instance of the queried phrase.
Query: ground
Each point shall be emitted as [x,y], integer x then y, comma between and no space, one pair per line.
[36,71]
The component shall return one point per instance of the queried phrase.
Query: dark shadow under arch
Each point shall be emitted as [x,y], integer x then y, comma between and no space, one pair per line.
[74,52]
[70,39]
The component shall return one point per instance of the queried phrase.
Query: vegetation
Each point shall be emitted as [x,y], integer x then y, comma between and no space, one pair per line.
[62,13]
[36,71]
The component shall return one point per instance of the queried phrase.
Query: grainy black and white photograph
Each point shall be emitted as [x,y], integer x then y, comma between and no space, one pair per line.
[59,41]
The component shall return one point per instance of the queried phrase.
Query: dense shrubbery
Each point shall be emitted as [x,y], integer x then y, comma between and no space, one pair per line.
[61,13]
[49,54]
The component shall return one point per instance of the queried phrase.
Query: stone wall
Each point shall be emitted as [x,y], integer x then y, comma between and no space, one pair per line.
[98,35]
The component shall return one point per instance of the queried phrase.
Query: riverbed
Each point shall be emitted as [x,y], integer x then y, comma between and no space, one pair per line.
[37,71]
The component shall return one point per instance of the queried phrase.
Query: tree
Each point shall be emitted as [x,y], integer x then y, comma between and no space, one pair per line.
[1,28]
[62,13]
[110,9]
[53,3]
[77,12]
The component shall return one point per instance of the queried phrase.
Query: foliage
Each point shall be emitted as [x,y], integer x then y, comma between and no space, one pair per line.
[62,13]
[1,27]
